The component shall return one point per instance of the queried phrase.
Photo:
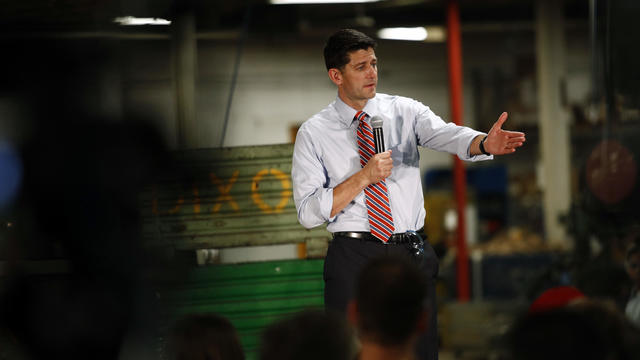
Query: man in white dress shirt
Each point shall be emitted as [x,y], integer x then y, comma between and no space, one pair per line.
[329,179]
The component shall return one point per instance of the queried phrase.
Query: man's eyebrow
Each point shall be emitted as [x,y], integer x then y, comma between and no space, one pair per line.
[364,62]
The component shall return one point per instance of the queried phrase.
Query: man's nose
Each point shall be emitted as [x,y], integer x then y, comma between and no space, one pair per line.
[372,72]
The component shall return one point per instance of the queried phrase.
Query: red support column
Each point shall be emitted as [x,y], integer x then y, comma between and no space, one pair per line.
[454,53]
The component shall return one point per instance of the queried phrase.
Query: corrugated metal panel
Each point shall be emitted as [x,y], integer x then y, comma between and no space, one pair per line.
[235,197]
[251,296]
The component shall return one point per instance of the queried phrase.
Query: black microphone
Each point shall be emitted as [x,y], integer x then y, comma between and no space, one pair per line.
[378,139]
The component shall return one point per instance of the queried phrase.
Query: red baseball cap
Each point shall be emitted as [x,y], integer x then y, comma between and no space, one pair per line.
[555,297]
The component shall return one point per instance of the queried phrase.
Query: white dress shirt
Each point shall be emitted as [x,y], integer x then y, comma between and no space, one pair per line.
[326,154]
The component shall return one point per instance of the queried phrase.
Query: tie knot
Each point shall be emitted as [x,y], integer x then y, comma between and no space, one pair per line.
[361,115]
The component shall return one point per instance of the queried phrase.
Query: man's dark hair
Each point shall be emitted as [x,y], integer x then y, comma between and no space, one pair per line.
[340,44]
[204,337]
[390,295]
[310,335]
[587,330]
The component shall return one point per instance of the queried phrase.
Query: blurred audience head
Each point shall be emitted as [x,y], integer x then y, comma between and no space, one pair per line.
[204,337]
[309,335]
[583,330]
[73,255]
[389,306]
[78,210]
[556,297]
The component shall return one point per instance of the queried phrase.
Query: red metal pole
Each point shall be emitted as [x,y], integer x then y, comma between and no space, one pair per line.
[454,53]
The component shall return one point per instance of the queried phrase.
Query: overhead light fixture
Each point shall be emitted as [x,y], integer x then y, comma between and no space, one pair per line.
[436,34]
[130,20]
[291,2]
[428,34]
[402,33]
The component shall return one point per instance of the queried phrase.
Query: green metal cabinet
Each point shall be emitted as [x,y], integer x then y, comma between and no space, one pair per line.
[251,296]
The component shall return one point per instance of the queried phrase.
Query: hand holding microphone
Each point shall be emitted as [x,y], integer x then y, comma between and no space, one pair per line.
[379,166]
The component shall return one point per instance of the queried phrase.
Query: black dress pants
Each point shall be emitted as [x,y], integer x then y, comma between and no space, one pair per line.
[347,256]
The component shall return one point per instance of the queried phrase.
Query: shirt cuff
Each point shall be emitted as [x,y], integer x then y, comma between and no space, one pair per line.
[326,203]
[480,157]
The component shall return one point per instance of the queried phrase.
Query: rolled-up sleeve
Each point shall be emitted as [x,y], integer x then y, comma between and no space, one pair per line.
[312,196]
[436,134]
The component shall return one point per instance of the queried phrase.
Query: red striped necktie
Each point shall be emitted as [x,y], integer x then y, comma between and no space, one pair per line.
[378,209]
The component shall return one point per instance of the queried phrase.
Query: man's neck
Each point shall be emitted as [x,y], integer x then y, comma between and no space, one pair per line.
[357,105]
[373,351]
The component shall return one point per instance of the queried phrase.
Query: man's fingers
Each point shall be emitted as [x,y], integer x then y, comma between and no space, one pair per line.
[384,161]
[514,142]
[384,155]
[503,141]
[514,133]
[516,139]
[501,120]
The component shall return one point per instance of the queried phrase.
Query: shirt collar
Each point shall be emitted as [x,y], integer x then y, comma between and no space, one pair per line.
[346,113]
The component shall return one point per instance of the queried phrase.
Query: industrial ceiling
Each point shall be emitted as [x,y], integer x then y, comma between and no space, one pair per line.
[28,16]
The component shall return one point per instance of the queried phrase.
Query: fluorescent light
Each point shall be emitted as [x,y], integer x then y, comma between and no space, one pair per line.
[130,20]
[400,33]
[436,34]
[289,2]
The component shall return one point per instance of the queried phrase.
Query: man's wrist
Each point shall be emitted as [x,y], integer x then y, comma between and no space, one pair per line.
[362,179]
[482,149]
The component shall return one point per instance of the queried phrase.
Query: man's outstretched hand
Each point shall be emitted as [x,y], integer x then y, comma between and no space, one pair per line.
[500,142]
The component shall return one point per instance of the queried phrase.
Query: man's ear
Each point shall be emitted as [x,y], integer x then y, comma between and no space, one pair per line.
[336,76]
[352,312]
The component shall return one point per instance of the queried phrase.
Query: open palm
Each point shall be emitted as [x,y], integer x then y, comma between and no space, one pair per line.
[500,141]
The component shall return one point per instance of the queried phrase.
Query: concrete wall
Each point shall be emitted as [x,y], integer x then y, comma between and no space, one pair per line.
[281,82]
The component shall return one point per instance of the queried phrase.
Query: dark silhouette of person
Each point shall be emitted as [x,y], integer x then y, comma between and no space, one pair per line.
[389,310]
[583,330]
[78,207]
[309,335]
[204,337]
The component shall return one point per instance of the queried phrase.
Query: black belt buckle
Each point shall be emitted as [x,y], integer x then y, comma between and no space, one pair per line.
[415,245]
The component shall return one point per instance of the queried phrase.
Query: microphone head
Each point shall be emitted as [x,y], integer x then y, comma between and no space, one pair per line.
[376,122]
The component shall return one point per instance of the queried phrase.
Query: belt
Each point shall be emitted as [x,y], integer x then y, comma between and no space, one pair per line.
[401,238]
